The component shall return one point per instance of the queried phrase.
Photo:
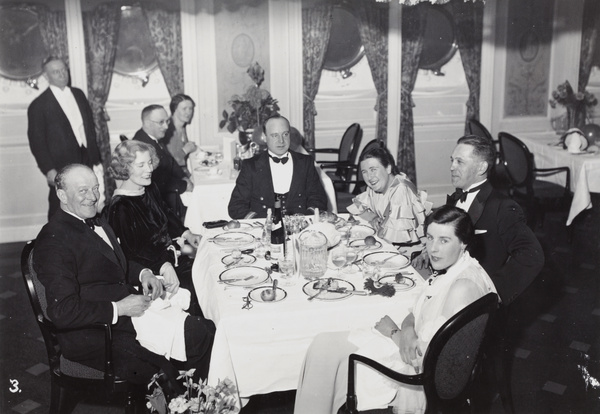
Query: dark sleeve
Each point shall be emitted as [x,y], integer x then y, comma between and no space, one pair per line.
[526,257]
[38,142]
[136,235]
[239,203]
[56,267]
[175,225]
[316,196]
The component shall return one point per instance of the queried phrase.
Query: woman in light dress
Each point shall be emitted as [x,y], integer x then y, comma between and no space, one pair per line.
[458,281]
[391,204]
[176,139]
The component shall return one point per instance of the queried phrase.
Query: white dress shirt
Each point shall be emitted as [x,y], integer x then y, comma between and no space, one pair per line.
[466,205]
[281,173]
[68,104]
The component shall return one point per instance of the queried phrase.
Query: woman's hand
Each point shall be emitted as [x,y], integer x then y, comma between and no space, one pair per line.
[386,325]
[421,261]
[193,239]
[171,281]
[409,345]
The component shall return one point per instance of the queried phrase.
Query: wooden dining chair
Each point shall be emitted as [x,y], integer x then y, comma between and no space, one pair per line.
[525,184]
[450,364]
[347,153]
[68,379]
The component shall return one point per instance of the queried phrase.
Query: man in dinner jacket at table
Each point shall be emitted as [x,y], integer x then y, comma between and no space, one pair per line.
[61,127]
[277,172]
[87,279]
[504,245]
[169,177]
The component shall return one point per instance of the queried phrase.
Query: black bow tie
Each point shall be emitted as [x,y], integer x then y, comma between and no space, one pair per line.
[278,160]
[92,222]
[461,195]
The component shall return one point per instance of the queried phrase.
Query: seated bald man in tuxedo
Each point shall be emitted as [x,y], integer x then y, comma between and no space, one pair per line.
[278,172]
[504,246]
[87,280]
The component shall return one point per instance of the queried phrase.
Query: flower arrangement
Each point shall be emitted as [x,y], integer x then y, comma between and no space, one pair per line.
[197,399]
[577,104]
[251,109]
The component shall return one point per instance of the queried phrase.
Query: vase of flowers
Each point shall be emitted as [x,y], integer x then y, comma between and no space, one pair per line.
[250,110]
[577,104]
[197,399]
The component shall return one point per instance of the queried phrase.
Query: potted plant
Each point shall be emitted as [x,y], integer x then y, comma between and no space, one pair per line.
[577,104]
[250,110]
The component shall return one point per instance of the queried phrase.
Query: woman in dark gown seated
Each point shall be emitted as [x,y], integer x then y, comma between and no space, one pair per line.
[146,227]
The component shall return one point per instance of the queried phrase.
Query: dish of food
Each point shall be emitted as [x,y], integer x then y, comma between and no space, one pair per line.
[362,244]
[233,239]
[357,231]
[244,276]
[266,294]
[387,260]
[245,259]
[400,283]
[328,289]
[237,227]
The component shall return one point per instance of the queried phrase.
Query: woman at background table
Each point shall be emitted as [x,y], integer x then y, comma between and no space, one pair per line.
[391,203]
[176,139]
[145,225]
[458,281]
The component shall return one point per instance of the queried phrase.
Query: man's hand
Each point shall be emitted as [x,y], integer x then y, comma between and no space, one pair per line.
[189,147]
[386,325]
[171,281]
[151,285]
[421,261]
[50,175]
[189,185]
[133,305]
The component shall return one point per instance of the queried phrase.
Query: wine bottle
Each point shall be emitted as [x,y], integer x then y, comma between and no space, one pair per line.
[277,232]
[237,160]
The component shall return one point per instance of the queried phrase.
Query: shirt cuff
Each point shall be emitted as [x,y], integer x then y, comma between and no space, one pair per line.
[142,271]
[115,313]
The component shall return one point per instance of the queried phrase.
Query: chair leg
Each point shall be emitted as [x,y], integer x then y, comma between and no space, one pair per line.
[503,368]
[61,400]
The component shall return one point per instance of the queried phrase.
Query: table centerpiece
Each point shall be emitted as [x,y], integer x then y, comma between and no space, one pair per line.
[577,106]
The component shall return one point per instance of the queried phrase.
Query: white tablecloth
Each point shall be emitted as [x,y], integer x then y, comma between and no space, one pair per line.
[263,348]
[585,170]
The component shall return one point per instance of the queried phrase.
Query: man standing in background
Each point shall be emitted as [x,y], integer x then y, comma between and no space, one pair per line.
[61,128]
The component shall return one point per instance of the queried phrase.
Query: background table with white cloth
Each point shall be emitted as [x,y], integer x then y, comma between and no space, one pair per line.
[262,348]
[585,169]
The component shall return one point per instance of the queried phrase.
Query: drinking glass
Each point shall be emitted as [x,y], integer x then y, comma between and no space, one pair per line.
[351,256]
[339,258]
[218,157]
[286,267]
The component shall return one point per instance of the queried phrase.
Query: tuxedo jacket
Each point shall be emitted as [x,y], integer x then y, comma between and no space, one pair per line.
[503,244]
[254,187]
[168,176]
[51,137]
[82,275]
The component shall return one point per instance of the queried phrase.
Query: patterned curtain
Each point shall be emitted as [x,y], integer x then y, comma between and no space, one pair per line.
[53,27]
[101,33]
[413,28]
[373,24]
[468,19]
[589,40]
[316,28]
[165,30]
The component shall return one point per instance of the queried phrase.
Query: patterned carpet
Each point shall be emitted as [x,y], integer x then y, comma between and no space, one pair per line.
[557,360]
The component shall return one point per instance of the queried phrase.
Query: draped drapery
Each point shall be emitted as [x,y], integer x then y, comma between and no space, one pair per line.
[373,23]
[413,28]
[316,28]
[589,39]
[468,20]
[53,28]
[165,30]
[101,28]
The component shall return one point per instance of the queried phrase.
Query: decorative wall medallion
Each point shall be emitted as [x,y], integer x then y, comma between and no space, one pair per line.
[529,46]
[242,50]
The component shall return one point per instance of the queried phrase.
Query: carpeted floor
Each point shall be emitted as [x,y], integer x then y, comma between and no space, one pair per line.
[557,360]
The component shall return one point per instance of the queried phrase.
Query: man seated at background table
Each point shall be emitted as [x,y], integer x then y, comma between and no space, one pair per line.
[169,177]
[277,172]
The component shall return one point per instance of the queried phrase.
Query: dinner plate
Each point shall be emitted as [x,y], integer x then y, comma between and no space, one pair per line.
[396,263]
[358,231]
[243,227]
[233,239]
[360,243]
[244,276]
[255,294]
[346,289]
[406,283]
[247,259]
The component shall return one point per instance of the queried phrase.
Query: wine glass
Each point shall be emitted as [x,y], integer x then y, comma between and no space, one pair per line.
[339,258]
[351,256]
[286,267]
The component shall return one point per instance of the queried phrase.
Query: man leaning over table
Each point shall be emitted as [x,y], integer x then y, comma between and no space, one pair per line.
[277,172]
[87,280]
